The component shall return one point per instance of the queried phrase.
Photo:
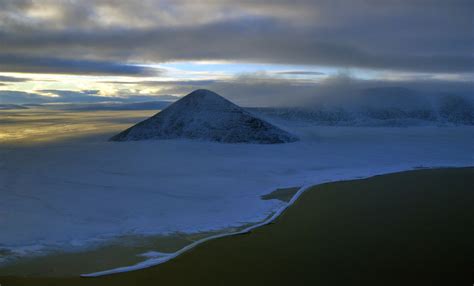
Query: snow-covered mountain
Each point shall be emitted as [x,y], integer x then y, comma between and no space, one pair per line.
[205,115]
[378,107]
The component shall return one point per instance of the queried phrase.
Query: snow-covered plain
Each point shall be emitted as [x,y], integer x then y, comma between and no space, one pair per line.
[72,193]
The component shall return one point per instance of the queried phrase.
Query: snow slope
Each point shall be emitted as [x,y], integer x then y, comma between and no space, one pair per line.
[206,115]
[67,195]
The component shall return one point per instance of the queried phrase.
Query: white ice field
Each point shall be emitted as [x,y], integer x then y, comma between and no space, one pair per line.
[79,190]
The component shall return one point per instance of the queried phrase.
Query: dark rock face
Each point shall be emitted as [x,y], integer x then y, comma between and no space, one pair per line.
[205,115]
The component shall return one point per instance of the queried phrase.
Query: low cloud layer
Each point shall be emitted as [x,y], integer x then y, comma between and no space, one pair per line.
[55,96]
[50,65]
[12,79]
[258,90]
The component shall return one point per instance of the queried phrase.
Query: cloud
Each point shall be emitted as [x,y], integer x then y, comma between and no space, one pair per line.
[93,96]
[257,90]
[72,96]
[13,79]
[195,83]
[425,45]
[51,65]
[300,73]
[19,97]
[264,90]
[422,36]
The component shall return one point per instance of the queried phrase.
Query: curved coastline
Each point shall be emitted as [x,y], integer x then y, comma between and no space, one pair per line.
[163,258]
[167,257]
[394,229]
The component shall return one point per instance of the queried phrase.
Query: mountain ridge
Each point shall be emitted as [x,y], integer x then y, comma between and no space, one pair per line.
[207,116]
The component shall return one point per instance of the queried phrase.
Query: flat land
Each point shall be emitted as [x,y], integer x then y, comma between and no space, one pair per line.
[409,228]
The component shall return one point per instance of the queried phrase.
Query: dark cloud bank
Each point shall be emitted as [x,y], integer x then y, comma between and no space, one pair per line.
[37,64]
[433,37]
[428,36]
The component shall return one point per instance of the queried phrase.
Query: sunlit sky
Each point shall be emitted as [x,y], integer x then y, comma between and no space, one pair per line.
[90,51]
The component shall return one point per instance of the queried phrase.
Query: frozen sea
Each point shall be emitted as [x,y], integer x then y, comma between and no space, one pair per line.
[63,185]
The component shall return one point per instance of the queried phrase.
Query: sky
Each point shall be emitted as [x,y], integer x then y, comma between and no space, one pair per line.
[254,52]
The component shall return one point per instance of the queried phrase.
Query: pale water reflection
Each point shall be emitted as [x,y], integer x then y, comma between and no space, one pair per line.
[40,125]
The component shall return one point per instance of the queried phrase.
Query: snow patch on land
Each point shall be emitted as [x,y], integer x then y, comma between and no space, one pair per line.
[75,194]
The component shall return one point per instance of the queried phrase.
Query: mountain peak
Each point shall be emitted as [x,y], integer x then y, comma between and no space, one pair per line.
[203,93]
[205,115]
[205,98]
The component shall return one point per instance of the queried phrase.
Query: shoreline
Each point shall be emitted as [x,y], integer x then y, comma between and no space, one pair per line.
[396,228]
[108,254]
[158,261]
[138,262]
